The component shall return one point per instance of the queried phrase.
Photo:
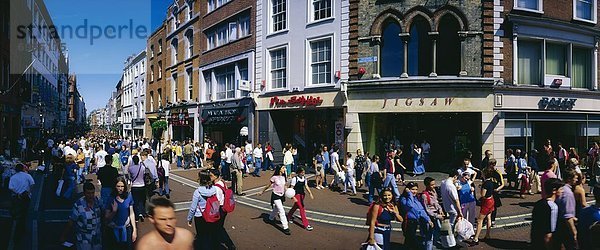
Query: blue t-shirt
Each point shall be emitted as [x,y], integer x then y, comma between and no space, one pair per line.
[122,210]
[587,217]
[325,157]
[70,170]
[464,193]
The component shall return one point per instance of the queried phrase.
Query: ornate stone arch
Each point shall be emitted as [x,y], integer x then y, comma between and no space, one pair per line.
[388,15]
[453,11]
[418,11]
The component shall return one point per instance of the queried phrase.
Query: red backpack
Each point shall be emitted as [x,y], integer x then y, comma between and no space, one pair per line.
[229,202]
[211,213]
[368,223]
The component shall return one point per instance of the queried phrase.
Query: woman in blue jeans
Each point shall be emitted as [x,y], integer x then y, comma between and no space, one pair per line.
[416,217]
[69,176]
[376,178]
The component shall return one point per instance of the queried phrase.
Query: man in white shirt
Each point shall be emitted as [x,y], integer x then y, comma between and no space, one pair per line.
[100,162]
[258,159]
[22,146]
[164,184]
[20,184]
[149,162]
[337,168]
[248,153]
[450,200]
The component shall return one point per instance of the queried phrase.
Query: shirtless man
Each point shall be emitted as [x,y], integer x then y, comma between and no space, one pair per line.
[166,235]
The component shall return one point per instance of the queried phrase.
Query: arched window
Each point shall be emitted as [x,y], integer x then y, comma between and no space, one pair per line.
[448,46]
[419,48]
[174,47]
[189,37]
[392,52]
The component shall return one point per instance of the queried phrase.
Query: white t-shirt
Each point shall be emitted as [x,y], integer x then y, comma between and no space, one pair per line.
[151,164]
[449,195]
[257,152]
[469,170]
[100,158]
[167,166]
[87,153]
[297,178]
[220,194]
[350,167]
[248,149]
[228,155]
[82,143]
[335,158]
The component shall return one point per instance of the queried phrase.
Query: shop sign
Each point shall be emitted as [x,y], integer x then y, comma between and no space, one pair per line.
[180,119]
[339,132]
[410,102]
[223,116]
[557,103]
[302,101]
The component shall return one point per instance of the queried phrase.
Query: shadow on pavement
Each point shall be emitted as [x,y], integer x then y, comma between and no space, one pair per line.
[528,204]
[507,244]
[359,201]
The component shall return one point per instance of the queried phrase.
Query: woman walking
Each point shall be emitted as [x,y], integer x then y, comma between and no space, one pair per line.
[360,164]
[206,232]
[120,217]
[419,168]
[349,180]
[487,206]
[80,161]
[69,176]
[288,159]
[416,217]
[299,184]
[376,179]
[277,182]
[379,219]
[319,171]
[138,190]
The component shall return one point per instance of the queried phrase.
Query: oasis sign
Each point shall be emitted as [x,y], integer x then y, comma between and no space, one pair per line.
[302,101]
[557,103]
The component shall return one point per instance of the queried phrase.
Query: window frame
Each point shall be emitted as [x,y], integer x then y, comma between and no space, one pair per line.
[174,86]
[569,60]
[310,19]
[594,7]
[309,62]
[270,68]
[540,7]
[190,43]
[208,85]
[189,72]
[271,16]
[228,70]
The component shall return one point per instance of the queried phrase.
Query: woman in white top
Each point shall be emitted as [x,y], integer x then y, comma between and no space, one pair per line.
[299,184]
[288,160]
[350,179]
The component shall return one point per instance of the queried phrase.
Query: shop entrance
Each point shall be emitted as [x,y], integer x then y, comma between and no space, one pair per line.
[181,133]
[451,136]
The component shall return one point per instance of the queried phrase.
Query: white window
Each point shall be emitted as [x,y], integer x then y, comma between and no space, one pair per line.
[190,5]
[278,68]
[585,10]
[190,84]
[159,69]
[321,9]
[174,48]
[232,31]
[225,77]
[151,51]
[189,37]
[210,40]
[174,89]
[159,45]
[244,26]
[211,5]
[320,61]
[278,15]
[160,97]
[222,36]
[529,5]
[208,85]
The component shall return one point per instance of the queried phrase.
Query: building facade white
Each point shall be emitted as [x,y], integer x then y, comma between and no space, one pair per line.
[132,99]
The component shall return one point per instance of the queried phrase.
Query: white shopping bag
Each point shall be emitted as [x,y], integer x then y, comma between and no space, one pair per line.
[59,187]
[464,229]
[366,246]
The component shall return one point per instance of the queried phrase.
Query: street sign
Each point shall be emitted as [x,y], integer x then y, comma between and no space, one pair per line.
[367,59]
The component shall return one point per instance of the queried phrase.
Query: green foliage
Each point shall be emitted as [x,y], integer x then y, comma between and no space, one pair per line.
[159,125]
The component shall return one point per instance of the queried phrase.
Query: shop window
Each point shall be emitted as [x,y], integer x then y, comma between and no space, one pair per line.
[419,48]
[585,10]
[190,84]
[448,46]
[529,62]
[320,61]
[556,59]
[174,89]
[392,58]
[582,68]
[278,68]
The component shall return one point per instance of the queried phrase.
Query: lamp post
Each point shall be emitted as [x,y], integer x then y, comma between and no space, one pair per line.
[160,113]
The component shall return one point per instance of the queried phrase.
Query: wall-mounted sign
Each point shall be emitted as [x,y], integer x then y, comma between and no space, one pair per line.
[410,102]
[223,116]
[302,101]
[180,119]
[557,103]
[367,59]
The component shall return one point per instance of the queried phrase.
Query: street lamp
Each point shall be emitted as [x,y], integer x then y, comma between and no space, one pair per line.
[160,114]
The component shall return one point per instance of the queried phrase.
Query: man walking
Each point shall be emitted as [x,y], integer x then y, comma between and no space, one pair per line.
[188,154]
[450,199]
[236,172]
[566,231]
[545,216]
[258,156]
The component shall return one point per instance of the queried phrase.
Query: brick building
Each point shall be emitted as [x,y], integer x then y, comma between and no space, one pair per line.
[156,88]
[226,44]
[545,54]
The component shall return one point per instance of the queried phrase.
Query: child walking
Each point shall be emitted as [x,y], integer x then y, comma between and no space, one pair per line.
[299,184]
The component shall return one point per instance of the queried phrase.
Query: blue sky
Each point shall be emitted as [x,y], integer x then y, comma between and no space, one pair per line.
[98,60]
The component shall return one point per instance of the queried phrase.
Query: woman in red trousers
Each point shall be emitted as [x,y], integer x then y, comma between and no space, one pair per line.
[300,184]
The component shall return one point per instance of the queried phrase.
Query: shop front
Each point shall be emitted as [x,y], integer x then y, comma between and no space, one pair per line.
[182,123]
[228,121]
[529,117]
[307,120]
[453,119]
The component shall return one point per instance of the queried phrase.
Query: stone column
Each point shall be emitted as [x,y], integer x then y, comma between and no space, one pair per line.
[462,36]
[405,38]
[376,50]
[433,36]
